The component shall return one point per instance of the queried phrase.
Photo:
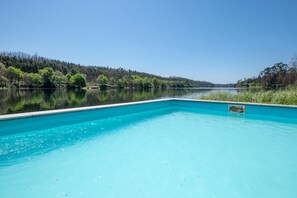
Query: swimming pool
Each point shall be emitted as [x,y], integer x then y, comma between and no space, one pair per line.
[163,148]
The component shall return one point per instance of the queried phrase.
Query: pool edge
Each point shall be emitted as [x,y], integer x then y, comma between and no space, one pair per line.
[68,110]
[76,109]
[233,102]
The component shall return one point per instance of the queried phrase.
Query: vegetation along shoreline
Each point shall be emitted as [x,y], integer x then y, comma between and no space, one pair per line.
[275,85]
[19,70]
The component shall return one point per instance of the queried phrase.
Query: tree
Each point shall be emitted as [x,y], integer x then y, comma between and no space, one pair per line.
[146,83]
[78,80]
[3,81]
[58,80]
[291,76]
[68,77]
[121,83]
[46,75]
[155,82]
[136,81]
[102,80]
[274,77]
[3,73]
[128,80]
[33,80]
[164,84]
[112,81]
[2,69]
[14,75]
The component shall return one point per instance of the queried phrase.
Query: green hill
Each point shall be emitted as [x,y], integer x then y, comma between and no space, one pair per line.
[115,77]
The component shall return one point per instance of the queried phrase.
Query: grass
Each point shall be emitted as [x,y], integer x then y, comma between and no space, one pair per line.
[287,96]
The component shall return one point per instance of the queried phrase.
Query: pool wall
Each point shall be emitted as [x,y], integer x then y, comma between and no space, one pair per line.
[289,111]
[17,123]
[285,111]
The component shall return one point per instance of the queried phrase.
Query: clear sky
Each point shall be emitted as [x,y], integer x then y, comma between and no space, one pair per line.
[219,41]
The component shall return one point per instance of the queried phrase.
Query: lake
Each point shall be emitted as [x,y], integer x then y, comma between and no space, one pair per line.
[17,101]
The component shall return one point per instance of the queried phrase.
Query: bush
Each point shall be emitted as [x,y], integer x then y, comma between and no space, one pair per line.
[77,80]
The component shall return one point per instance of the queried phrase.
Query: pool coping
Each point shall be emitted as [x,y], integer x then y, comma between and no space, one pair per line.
[239,103]
[68,110]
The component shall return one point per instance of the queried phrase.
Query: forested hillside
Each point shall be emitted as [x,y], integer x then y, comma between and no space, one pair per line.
[277,76]
[23,70]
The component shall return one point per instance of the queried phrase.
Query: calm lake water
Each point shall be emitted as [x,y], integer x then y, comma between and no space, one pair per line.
[16,101]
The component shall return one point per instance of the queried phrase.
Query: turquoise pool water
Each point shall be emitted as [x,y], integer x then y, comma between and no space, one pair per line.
[162,149]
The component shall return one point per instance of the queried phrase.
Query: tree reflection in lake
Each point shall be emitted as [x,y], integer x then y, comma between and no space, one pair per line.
[16,101]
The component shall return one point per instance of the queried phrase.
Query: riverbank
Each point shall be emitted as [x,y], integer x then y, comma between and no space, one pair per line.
[286,96]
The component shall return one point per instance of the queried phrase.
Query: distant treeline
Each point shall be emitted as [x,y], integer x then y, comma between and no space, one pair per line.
[18,69]
[277,76]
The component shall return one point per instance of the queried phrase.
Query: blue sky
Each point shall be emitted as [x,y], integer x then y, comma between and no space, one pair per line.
[218,41]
